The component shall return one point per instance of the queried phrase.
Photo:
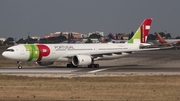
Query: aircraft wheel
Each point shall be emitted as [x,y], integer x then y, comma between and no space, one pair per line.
[97,65]
[89,66]
[68,65]
[71,65]
[93,66]
[19,67]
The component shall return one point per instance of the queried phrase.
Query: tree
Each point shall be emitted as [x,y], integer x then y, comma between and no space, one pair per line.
[178,37]
[51,39]
[151,37]
[57,39]
[61,38]
[9,41]
[43,40]
[122,38]
[95,36]
[22,41]
[131,35]
[1,42]
[168,36]
[28,40]
[88,40]
[155,35]
[162,34]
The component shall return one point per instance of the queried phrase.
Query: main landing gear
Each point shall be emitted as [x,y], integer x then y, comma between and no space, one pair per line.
[71,65]
[19,66]
[93,66]
[89,66]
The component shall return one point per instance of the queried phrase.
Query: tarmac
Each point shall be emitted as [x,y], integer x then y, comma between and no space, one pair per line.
[160,62]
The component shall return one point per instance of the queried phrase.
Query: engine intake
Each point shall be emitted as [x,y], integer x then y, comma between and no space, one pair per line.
[81,60]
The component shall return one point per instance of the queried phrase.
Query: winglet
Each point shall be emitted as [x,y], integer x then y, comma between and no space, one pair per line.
[142,32]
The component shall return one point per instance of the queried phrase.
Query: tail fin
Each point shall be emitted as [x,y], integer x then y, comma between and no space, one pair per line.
[142,33]
[111,36]
[161,40]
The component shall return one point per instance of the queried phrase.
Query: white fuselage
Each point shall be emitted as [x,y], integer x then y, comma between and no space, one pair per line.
[64,52]
[171,41]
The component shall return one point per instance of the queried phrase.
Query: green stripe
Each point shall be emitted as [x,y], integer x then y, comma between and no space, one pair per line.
[28,48]
[33,52]
[137,35]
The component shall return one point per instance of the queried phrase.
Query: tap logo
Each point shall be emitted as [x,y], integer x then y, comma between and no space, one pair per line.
[37,52]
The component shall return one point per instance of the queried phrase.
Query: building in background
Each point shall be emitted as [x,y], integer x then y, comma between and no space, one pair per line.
[2,39]
[35,37]
[56,34]
[75,35]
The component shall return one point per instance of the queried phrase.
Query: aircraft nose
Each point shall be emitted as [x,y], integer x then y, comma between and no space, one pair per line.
[5,54]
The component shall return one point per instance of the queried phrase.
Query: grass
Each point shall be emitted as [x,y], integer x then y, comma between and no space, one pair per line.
[117,88]
[157,87]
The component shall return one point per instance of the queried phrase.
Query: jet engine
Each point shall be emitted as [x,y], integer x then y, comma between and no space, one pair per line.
[81,60]
[44,63]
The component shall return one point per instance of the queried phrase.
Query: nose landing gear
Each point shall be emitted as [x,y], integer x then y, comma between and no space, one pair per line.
[19,66]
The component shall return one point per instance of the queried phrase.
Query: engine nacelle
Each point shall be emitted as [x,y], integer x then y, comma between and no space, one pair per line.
[44,63]
[81,60]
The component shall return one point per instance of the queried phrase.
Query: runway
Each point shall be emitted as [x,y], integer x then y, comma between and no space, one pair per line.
[141,63]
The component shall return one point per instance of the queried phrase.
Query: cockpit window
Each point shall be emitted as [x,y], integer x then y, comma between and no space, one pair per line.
[10,50]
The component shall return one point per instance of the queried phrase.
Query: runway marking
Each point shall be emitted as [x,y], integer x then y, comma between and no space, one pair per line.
[48,70]
[94,71]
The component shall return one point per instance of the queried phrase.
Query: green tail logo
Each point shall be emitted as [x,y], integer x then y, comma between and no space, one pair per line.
[142,32]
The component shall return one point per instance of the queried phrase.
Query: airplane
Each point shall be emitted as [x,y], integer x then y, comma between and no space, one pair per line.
[114,40]
[79,54]
[168,41]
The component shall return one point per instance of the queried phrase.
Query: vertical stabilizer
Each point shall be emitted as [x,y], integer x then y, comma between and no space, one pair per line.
[142,32]
[111,36]
[161,40]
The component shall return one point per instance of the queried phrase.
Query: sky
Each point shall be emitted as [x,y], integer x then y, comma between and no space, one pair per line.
[20,18]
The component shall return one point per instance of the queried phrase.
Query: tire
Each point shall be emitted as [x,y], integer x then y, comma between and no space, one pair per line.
[19,67]
[97,66]
[89,66]
[73,66]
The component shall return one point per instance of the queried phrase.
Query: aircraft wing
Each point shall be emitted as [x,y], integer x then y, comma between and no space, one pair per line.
[101,53]
[160,48]
[176,42]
